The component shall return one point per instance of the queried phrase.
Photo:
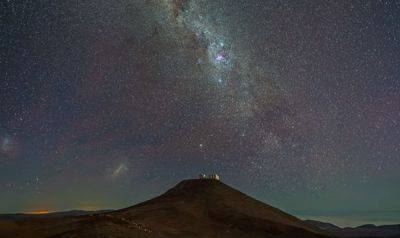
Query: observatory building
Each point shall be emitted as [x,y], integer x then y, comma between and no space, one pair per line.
[210,176]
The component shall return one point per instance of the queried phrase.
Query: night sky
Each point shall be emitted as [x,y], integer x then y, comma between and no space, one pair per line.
[107,103]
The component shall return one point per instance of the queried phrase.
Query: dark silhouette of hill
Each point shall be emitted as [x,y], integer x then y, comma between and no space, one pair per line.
[29,216]
[369,230]
[193,208]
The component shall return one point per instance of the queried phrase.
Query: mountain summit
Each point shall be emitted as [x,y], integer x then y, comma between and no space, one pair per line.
[210,208]
[193,208]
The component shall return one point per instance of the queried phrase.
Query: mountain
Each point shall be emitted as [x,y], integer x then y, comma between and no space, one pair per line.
[29,216]
[193,208]
[324,225]
[392,231]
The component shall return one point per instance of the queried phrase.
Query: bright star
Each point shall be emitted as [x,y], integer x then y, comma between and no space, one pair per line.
[220,57]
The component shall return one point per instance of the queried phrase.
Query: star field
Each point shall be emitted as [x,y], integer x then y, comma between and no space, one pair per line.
[108,103]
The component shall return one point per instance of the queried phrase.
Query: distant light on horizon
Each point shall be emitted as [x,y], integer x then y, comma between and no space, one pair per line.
[39,212]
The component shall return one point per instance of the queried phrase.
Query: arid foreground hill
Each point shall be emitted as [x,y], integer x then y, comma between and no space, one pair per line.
[193,208]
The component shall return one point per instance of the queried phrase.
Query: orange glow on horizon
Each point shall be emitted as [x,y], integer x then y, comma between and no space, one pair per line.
[39,212]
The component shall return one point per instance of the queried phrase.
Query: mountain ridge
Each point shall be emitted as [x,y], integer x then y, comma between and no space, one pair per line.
[192,208]
[367,230]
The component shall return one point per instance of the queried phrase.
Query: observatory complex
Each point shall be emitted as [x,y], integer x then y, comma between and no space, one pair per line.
[210,176]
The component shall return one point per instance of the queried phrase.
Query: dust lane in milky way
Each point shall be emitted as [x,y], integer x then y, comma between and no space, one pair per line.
[295,103]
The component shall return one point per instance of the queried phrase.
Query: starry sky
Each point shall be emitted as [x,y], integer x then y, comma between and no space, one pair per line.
[107,103]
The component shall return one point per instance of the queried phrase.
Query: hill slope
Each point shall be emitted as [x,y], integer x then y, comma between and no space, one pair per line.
[193,208]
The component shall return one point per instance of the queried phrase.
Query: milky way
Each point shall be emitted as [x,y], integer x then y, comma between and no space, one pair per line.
[107,103]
